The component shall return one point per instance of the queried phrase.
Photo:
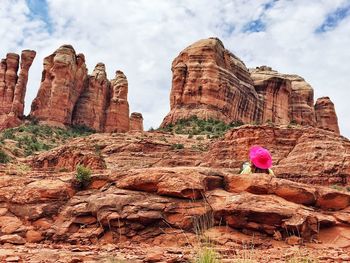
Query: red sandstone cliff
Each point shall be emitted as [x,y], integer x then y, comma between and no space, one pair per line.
[117,113]
[62,82]
[90,108]
[210,82]
[275,91]
[69,96]
[287,98]
[13,87]
[326,118]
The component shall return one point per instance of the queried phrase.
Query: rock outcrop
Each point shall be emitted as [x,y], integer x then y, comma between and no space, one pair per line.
[91,105]
[136,122]
[69,96]
[303,154]
[63,80]
[145,192]
[275,92]
[326,118]
[117,113]
[287,98]
[210,82]
[13,87]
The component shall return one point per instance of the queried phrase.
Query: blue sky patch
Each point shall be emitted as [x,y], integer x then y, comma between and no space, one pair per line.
[39,10]
[269,5]
[254,26]
[333,19]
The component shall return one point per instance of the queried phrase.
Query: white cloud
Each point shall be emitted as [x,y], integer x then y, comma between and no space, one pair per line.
[142,37]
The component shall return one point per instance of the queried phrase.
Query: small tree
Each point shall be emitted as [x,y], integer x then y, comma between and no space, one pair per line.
[82,177]
[4,158]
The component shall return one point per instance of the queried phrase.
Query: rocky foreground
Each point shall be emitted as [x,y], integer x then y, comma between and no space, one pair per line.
[158,197]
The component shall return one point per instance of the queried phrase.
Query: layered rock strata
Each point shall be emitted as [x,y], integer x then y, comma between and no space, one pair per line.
[90,107]
[117,112]
[13,87]
[136,122]
[326,118]
[304,154]
[62,83]
[69,96]
[210,82]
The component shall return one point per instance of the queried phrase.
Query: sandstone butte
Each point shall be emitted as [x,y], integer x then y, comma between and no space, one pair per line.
[210,82]
[67,95]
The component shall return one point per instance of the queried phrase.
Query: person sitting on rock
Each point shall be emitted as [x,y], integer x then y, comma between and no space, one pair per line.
[260,161]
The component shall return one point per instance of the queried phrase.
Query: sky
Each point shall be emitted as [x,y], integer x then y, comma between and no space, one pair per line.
[310,38]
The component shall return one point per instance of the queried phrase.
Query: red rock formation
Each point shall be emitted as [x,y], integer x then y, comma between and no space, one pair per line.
[289,97]
[305,154]
[136,122]
[302,101]
[13,87]
[326,118]
[62,82]
[117,113]
[68,96]
[210,82]
[90,108]
[275,91]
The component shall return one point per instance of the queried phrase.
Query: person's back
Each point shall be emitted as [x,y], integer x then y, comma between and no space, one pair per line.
[260,161]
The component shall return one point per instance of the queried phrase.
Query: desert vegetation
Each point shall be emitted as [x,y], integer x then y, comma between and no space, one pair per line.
[30,138]
[195,126]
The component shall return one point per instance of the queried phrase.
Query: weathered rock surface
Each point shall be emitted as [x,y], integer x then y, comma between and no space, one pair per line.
[69,96]
[13,87]
[210,82]
[145,192]
[136,122]
[287,98]
[308,155]
[326,117]
[91,105]
[275,92]
[158,205]
[294,192]
[183,182]
[63,80]
[117,113]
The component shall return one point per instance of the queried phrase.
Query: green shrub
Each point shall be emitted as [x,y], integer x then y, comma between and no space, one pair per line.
[4,158]
[8,134]
[177,146]
[31,138]
[83,174]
